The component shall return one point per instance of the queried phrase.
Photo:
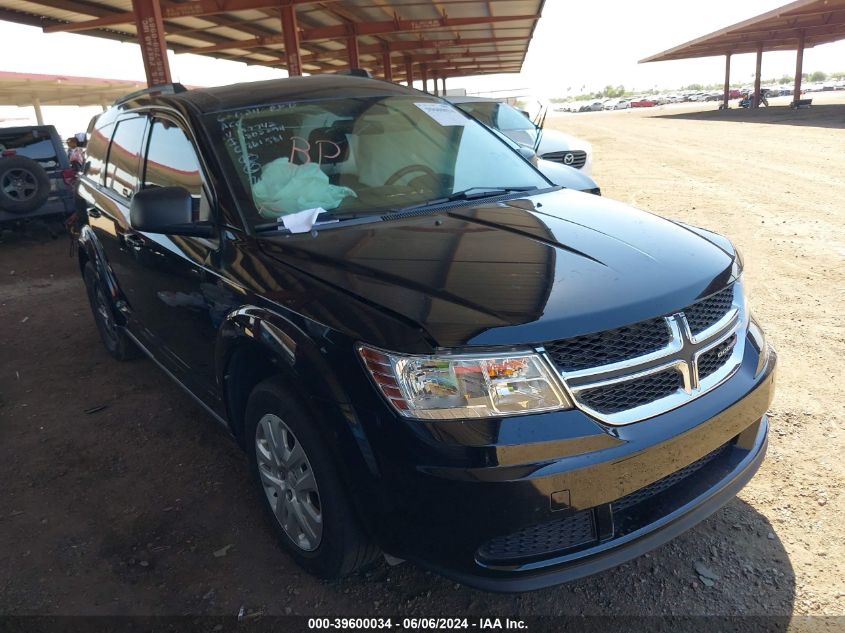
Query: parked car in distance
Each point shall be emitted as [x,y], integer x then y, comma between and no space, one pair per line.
[557,173]
[34,169]
[423,346]
[553,145]
[642,102]
[622,104]
[591,106]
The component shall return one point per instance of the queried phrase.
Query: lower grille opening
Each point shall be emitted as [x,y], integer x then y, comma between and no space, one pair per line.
[540,540]
[578,531]
[661,485]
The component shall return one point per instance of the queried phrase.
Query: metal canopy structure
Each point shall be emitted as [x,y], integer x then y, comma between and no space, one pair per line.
[25,89]
[417,39]
[795,26]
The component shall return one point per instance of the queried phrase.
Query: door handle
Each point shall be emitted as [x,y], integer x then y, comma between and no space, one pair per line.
[133,241]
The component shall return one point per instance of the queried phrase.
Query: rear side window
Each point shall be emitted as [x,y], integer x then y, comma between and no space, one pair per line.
[96,152]
[172,162]
[35,144]
[124,156]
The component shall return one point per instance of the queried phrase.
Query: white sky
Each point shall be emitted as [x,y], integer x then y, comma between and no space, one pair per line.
[590,44]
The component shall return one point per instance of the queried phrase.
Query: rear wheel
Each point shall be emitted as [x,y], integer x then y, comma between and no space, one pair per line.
[24,185]
[114,338]
[308,506]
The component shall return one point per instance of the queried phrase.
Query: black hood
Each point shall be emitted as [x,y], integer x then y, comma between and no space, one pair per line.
[523,271]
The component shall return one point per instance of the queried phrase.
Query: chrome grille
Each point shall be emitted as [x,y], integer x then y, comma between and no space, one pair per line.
[633,393]
[611,346]
[703,314]
[713,359]
[541,540]
[641,370]
[572,157]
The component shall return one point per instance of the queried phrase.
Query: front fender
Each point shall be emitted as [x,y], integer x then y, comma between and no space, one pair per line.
[296,352]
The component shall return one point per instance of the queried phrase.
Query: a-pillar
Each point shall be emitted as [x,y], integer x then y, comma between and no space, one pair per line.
[36,105]
[150,28]
[290,33]
[799,68]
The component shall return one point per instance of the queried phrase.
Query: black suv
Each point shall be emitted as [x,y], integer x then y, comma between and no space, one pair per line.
[424,347]
[34,169]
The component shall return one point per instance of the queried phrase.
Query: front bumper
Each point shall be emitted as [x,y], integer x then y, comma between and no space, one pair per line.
[504,527]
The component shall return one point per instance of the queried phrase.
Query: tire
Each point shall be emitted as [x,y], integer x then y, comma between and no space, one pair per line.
[24,185]
[323,535]
[115,340]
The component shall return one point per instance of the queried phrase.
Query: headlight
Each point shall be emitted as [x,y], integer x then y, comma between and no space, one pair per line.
[452,387]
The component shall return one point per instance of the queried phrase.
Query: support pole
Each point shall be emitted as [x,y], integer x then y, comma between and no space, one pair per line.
[388,68]
[443,79]
[424,73]
[409,71]
[799,68]
[290,33]
[727,95]
[39,116]
[759,66]
[436,85]
[151,38]
[352,49]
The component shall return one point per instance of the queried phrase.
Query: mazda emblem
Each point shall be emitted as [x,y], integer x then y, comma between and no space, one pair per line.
[568,159]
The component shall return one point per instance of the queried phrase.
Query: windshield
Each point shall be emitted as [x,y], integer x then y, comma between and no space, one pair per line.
[360,155]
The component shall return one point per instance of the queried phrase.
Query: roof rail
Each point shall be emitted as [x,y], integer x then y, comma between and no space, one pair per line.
[355,72]
[161,89]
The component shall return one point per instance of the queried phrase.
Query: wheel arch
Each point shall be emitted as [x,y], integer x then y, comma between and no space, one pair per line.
[254,344]
[90,250]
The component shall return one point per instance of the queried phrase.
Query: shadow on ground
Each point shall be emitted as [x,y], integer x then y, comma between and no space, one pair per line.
[827,115]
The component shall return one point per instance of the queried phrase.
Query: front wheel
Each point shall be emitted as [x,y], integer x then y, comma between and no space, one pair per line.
[308,506]
[114,338]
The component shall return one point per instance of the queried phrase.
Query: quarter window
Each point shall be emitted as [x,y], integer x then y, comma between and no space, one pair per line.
[124,156]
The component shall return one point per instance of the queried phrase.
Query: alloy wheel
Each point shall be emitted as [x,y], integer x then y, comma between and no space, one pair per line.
[19,184]
[289,482]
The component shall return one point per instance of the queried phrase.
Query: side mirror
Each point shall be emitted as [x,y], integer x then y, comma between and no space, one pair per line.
[166,210]
[527,153]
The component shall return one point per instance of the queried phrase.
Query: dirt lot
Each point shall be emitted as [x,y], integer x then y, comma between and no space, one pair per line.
[143,507]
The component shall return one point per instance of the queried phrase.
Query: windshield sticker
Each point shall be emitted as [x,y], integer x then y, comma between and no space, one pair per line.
[443,113]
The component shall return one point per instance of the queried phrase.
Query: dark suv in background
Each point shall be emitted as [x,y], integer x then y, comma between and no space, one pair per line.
[34,171]
[424,347]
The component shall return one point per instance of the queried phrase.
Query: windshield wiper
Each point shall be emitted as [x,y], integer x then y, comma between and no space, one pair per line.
[464,194]
[467,194]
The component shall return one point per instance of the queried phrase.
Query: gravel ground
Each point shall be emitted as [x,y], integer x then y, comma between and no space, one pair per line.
[143,506]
